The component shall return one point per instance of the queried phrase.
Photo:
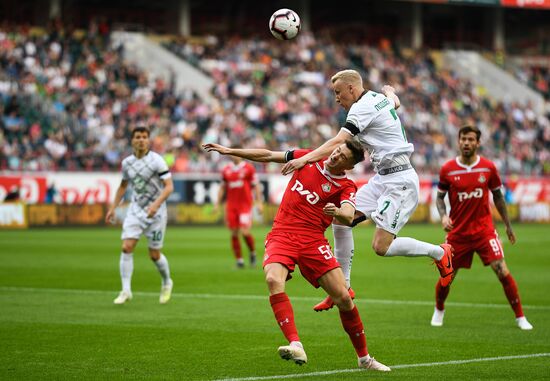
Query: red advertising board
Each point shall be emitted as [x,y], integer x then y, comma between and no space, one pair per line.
[32,189]
[70,188]
[526,3]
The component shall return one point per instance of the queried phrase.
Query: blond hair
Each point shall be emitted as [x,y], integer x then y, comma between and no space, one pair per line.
[348,76]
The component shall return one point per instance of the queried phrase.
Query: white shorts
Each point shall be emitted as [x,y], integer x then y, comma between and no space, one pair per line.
[389,200]
[137,224]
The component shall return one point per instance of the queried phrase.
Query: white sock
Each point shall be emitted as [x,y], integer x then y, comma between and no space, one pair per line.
[410,247]
[297,344]
[164,269]
[343,249]
[126,270]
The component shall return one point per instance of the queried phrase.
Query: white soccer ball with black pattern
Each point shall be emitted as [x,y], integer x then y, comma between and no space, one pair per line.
[284,24]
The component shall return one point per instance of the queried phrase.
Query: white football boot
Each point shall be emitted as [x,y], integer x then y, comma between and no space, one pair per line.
[368,362]
[166,292]
[294,352]
[437,318]
[523,324]
[123,297]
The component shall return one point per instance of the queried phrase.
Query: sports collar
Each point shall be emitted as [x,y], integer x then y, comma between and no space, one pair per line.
[468,167]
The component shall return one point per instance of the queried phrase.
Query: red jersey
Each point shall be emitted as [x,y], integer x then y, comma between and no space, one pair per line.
[307,192]
[468,188]
[238,181]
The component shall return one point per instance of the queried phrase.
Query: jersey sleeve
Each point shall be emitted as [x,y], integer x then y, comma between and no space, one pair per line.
[359,117]
[348,194]
[443,186]
[296,154]
[162,168]
[495,182]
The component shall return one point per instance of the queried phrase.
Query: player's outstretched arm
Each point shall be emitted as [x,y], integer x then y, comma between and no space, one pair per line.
[500,204]
[389,92]
[321,152]
[344,214]
[253,154]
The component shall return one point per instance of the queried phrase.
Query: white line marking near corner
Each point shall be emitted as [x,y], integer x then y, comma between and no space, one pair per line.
[402,366]
[261,297]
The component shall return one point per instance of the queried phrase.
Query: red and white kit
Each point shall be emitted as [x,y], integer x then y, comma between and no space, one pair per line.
[298,230]
[473,229]
[238,181]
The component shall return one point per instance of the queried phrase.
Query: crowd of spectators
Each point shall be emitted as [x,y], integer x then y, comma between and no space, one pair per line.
[536,77]
[68,101]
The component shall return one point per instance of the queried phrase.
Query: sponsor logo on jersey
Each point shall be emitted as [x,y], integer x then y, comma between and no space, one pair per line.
[311,197]
[326,187]
[235,184]
[380,105]
[476,193]
[481,178]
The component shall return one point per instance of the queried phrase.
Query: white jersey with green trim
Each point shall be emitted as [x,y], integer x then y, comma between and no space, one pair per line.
[375,123]
[146,176]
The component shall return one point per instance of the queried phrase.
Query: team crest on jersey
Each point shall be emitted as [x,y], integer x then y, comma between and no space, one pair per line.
[326,187]
[481,178]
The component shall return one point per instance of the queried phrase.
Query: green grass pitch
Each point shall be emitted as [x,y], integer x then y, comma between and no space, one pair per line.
[58,322]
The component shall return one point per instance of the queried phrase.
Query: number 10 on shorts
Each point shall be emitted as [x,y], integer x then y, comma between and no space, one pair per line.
[326,252]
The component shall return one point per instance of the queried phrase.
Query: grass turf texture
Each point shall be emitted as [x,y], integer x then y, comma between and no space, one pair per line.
[57,319]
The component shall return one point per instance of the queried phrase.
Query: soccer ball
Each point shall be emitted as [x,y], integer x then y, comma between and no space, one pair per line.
[284,24]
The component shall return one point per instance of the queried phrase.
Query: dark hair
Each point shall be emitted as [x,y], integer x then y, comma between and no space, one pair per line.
[141,129]
[467,129]
[356,149]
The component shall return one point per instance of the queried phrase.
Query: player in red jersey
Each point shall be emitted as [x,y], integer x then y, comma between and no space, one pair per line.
[315,195]
[239,179]
[468,180]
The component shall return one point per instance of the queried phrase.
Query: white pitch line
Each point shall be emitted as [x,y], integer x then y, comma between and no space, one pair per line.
[263,297]
[402,366]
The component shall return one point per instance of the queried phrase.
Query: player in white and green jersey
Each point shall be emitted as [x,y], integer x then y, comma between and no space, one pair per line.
[151,184]
[391,195]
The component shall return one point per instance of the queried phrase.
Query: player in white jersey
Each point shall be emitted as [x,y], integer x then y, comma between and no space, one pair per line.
[391,195]
[151,183]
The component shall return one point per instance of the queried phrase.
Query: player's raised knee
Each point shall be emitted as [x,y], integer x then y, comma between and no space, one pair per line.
[343,301]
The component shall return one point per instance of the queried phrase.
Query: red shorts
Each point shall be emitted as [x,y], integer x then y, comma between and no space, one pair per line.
[487,246]
[312,254]
[238,218]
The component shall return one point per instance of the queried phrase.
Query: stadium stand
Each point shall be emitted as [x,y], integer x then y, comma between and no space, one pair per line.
[68,100]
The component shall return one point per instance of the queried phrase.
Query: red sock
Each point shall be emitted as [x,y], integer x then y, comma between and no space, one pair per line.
[285,315]
[249,242]
[236,244]
[441,295]
[511,291]
[351,321]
